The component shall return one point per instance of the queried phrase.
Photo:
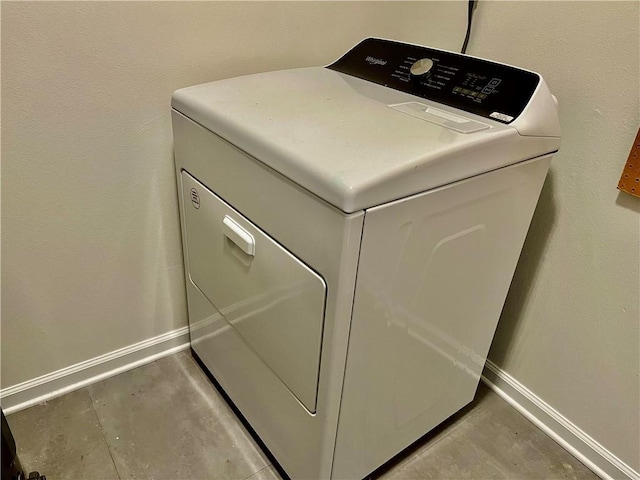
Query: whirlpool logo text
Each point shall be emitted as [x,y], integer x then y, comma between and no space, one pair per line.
[376,61]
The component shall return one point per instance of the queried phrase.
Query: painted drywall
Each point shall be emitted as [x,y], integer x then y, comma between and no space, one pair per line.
[570,330]
[91,258]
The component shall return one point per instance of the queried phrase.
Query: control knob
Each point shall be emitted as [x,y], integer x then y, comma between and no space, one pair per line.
[421,67]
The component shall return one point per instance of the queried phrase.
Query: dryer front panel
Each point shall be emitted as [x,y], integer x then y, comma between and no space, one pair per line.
[272,299]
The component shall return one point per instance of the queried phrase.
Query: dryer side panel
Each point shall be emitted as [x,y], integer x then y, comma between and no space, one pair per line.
[433,277]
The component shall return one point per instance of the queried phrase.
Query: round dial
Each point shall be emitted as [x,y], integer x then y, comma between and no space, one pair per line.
[421,67]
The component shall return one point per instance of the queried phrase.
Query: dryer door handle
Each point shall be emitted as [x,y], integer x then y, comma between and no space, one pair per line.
[239,236]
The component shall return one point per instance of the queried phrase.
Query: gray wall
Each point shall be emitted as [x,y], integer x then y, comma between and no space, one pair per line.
[91,244]
[90,247]
[570,331]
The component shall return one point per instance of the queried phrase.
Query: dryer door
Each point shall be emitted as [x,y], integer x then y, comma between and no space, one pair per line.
[272,299]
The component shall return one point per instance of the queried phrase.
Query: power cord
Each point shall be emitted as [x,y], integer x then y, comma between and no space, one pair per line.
[472,6]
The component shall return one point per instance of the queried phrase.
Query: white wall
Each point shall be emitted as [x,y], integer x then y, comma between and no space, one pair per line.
[90,245]
[570,330]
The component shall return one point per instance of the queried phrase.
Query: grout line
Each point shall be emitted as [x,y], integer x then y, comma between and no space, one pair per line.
[257,472]
[113,461]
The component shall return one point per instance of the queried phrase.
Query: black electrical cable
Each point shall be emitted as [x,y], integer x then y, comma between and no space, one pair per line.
[472,7]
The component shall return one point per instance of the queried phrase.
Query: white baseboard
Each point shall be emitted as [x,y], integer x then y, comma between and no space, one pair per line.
[74,377]
[596,457]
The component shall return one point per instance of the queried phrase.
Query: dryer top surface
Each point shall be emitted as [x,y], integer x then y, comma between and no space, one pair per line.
[349,141]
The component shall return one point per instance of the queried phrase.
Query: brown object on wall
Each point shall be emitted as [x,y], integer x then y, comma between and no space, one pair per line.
[630,179]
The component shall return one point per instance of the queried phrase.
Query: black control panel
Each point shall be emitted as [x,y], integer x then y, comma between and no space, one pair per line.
[478,86]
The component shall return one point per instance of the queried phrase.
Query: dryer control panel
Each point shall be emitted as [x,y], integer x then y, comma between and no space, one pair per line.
[489,89]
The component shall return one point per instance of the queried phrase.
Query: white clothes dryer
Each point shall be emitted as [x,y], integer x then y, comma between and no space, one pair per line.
[350,233]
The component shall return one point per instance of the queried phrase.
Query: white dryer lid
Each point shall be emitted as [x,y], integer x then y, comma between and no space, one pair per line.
[354,143]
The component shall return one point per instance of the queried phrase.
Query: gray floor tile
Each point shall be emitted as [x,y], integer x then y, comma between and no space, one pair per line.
[166,421]
[62,439]
[489,440]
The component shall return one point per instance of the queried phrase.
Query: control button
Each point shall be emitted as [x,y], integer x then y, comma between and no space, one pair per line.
[421,67]
[491,85]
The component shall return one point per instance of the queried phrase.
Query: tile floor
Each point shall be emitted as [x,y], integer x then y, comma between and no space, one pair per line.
[166,420]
